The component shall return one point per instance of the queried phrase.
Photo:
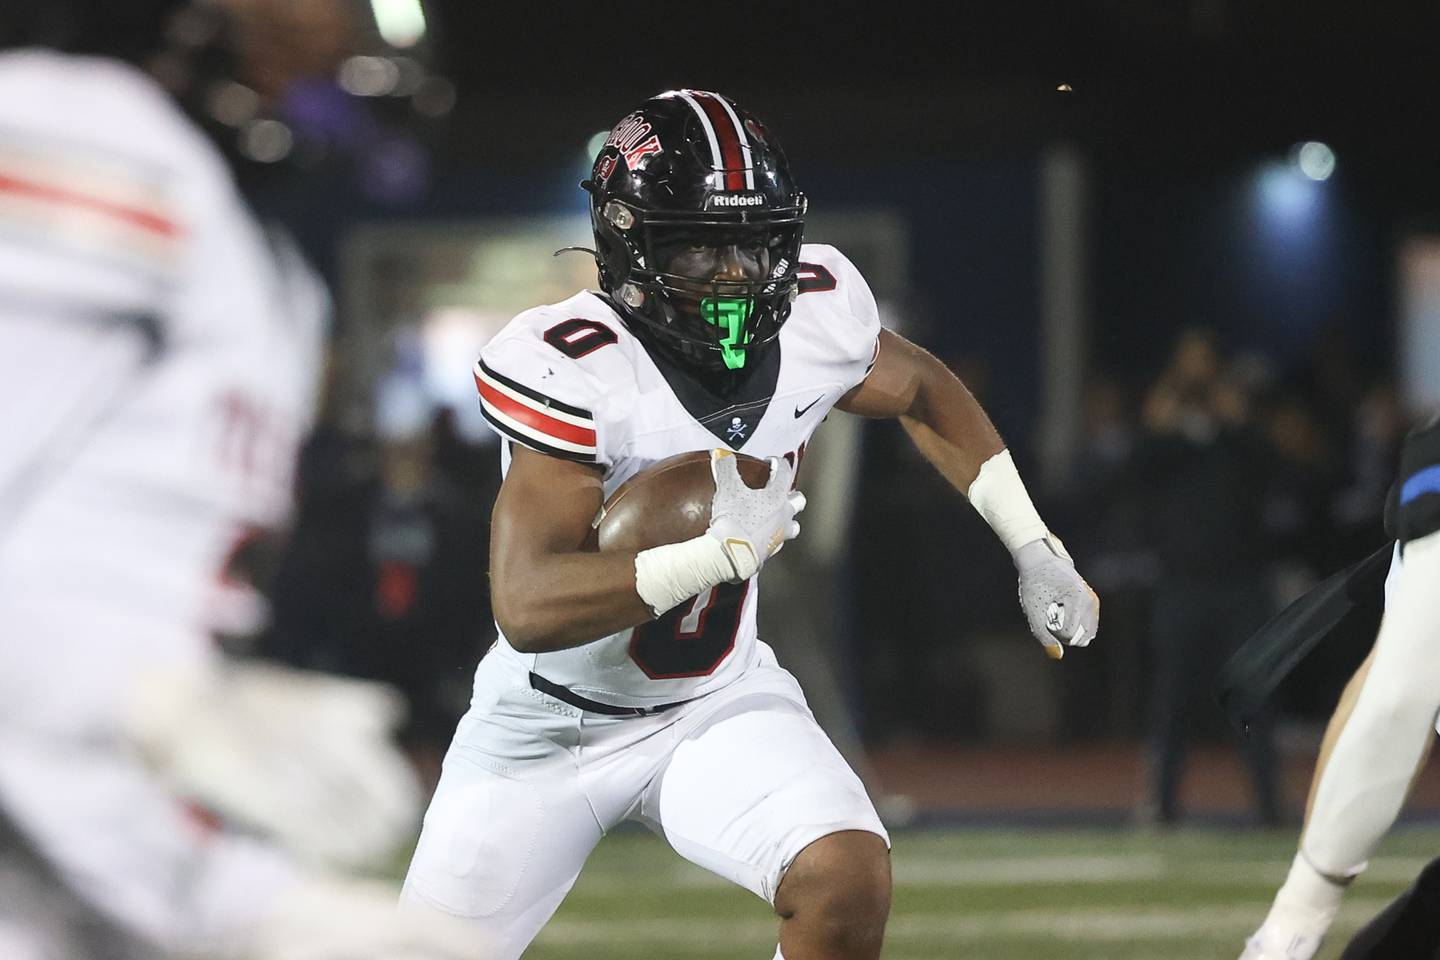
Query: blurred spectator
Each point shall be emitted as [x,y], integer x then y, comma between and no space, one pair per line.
[1298,491]
[1342,522]
[385,575]
[1203,466]
[914,618]
[469,464]
[1377,431]
[427,552]
[1329,380]
[321,596]
[1104,526]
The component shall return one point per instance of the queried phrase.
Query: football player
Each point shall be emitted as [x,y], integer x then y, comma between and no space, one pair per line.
[1376,741]
[158,352]
[631,686]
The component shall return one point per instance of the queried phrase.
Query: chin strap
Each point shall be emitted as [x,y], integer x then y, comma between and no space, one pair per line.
[593,254]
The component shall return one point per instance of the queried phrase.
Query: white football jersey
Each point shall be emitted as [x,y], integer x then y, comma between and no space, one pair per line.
[159,353]
[571,380]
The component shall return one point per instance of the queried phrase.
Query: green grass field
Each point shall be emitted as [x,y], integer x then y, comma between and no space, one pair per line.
[992,894]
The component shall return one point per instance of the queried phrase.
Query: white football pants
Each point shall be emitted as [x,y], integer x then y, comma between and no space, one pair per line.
[738,782]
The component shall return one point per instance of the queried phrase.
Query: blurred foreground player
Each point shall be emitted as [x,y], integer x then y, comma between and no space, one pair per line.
[158,352]
[631,686]
[1376,741]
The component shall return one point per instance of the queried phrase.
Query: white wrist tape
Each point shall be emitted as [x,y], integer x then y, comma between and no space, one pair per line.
[998,494]
[668,576]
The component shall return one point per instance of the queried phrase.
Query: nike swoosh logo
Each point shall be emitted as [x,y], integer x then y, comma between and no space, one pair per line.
[801,411]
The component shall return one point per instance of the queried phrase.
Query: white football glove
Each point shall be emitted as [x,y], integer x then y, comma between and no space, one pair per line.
[329,918]
[752,525]
[303,758]
[1059,605]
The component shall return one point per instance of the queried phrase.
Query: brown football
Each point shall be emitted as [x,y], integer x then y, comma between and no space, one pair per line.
[667,502]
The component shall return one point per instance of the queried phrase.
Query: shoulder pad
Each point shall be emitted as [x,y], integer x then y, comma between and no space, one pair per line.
[550,379]
[828,273]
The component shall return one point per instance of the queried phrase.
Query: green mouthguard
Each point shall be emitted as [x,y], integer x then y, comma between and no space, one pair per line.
[729,314]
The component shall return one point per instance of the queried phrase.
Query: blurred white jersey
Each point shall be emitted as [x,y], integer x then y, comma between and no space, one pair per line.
[158,357]
[571,380]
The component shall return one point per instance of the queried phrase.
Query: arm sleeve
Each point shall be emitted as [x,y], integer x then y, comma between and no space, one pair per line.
[1362,787]
[534,395]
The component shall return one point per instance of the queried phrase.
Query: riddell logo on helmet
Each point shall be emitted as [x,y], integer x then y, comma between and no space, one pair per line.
[736,200]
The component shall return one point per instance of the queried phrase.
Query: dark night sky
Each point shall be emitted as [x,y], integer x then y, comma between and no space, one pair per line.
[1173,105]
[1196,83]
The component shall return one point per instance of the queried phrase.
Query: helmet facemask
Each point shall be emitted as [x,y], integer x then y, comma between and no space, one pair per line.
[676,281]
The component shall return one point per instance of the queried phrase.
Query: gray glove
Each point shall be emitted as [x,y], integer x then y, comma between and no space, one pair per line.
[1059,605]
[752,525]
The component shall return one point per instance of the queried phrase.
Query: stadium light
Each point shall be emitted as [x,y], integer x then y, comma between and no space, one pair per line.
[1315,160]
[400,22]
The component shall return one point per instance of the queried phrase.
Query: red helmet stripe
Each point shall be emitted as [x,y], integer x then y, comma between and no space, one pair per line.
[747,161]
[727,135]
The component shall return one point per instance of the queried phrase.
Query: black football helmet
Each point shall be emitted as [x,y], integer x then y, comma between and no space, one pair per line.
[691,169]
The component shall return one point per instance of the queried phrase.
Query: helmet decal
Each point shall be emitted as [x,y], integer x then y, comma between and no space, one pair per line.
[604,168]
[629,138]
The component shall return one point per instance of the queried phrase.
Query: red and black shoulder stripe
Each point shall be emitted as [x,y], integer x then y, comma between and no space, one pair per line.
[533,419]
